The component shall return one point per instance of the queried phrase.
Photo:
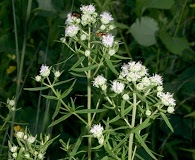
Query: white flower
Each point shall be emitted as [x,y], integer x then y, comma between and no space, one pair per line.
[148,113]
[140,86]
[102,27]
[88,19]
[117,87]
[45,71]
[89,9]
[63,40]
[20,135]
[170,109]
[108,40]
[38,78]
[57,74]
[87,53]
[99,81]
[146,81]
[101,140]
[40,156]
[83,37]
[156,80]
[25,137]
[111,52]
[13,149]
[105,17]
[96,130]
[125,97]
[160,88]
[167,99]
[111,27]
[72,19]
[14,155]
[31,139]
[27,155]
[11,102]
[71,30]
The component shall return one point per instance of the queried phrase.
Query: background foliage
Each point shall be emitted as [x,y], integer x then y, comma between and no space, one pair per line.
[161,34]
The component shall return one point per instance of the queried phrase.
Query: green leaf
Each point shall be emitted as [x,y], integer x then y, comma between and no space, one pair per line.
[160,4]
[80,60]
[143,144]
[144,30]
[50,97]
[66,92]
[36,88]
[166,121]
[85,68]
[111,66]
[173,44]
[60,119]
[192,114]
[90,111]
[121,25]
[57,109]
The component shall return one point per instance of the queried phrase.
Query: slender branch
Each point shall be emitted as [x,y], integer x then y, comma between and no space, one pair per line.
[131,137]
[89,95]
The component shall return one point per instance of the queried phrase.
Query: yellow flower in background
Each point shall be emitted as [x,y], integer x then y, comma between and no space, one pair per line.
[18,128]
[12,56]
[10,69]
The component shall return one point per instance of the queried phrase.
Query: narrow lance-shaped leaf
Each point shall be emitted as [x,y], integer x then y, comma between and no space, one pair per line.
[85,68]
[57,109]
[111,66]
[166,121]
[60,119]
[143,144]
[78,63]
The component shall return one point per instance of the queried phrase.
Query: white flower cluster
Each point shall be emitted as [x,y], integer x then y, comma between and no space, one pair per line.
[11,104]
[97,132]
[45,72]
[100,82]
[101,23]
[133,71]
[137,78]
[29,148]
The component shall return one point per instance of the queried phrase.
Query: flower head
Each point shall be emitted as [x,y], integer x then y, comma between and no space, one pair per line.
[13,149]
[108,40]
[45,71]
[167,99]
[156,80]
[88,9]
[170,109]
[31,139]
[71,30]
[100,82]
[105,17]
[38,78]
[117,87]
[57,74]
[96,130]
[72,19]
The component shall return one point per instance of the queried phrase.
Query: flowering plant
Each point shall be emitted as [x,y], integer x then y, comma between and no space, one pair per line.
[117,112]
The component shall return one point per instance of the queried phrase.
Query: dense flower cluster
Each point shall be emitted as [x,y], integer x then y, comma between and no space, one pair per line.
[29,147]
[97,132]
[76,28]
[45,72]
[134,77]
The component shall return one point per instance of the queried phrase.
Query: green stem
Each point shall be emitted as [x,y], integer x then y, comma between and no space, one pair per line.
[131,137]
[89,95]
[181,15]
[20,60]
